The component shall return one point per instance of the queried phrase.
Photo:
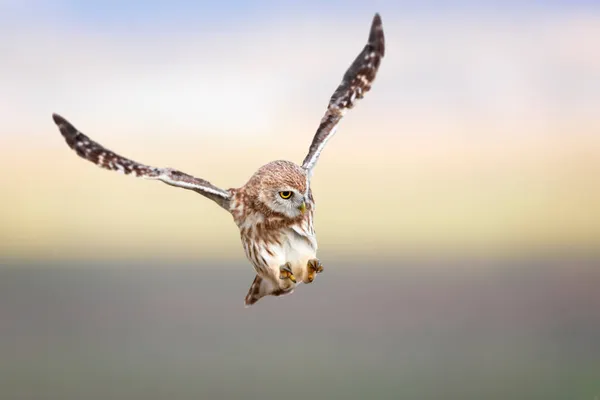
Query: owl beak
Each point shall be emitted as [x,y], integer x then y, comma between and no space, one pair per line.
[302,208]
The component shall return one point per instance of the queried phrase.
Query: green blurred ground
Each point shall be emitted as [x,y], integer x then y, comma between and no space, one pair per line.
[464,330]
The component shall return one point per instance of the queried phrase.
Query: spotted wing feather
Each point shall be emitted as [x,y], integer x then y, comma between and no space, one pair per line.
[104,158]
[356,82]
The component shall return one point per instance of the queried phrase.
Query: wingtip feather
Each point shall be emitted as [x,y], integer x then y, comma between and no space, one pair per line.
[376,37]
[377,19]
[66,128]
[58,120]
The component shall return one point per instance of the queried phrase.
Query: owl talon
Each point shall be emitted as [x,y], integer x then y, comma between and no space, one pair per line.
[286,272]
[314,268]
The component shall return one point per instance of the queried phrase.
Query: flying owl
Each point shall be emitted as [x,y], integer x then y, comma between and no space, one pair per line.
[274,209]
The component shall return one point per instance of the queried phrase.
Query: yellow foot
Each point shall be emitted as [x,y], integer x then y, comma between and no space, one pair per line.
[314,267]
[286,272]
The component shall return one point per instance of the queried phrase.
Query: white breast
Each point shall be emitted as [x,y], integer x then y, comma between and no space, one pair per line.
[298,250]
[295,247]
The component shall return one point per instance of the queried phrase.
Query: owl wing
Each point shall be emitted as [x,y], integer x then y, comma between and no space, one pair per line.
[99,155]
[356,82]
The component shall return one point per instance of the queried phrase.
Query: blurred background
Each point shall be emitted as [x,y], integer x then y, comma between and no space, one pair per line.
[458,216]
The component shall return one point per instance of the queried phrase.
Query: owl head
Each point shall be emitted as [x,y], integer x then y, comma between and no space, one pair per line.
[279,187]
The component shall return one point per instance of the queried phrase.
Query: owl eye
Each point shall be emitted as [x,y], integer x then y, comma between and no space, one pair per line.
[285,194]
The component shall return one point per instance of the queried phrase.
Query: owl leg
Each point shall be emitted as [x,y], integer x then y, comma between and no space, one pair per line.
[286,272]
[314,267]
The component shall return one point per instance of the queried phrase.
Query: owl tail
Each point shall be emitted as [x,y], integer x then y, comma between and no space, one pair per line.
[263,287]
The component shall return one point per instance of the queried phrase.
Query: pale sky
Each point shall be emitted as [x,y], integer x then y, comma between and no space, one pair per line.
[481,131]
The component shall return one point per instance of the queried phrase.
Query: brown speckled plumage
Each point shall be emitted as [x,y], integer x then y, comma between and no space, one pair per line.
[274,210]
[265,230]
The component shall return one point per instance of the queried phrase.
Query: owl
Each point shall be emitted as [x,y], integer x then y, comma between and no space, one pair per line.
[274,210]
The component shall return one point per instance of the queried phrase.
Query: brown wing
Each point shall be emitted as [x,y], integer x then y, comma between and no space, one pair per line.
[99,155]
[356,82]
